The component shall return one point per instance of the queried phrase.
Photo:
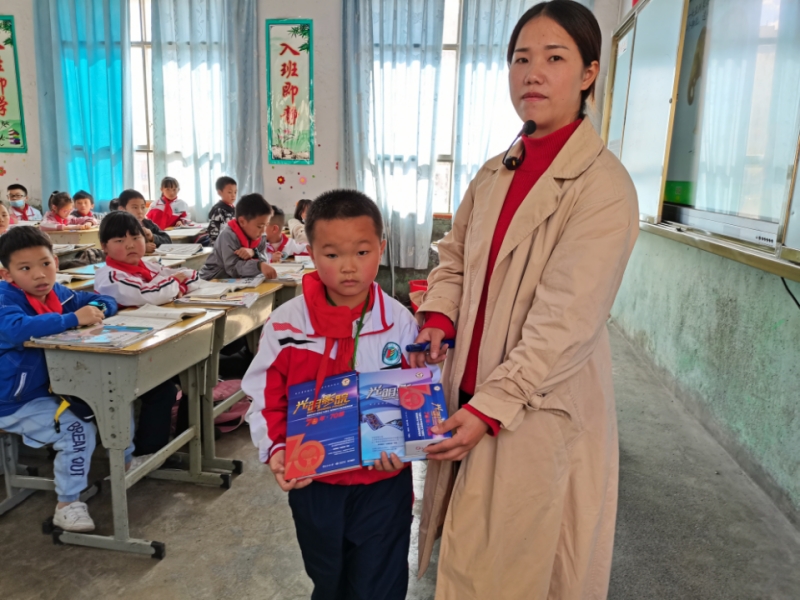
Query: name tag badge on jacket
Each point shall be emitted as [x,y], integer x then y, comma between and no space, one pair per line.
[391,354]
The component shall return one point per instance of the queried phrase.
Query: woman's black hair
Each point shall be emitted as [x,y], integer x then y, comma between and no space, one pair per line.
[128,195]
[300,207]
[119,224]
[252,206]
[581,25]
[58,200]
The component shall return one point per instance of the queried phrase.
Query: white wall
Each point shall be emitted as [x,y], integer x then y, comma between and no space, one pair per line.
[24,168]
[328,105]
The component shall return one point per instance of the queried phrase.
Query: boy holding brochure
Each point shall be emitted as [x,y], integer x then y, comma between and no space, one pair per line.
[353,527]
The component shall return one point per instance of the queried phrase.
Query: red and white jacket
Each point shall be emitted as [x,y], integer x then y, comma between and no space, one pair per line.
[291,351]
[52,222]
[167,214]
[26,213]
[287,246]
[132,289]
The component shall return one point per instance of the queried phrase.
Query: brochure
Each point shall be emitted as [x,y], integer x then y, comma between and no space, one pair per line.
[322,432]
[380,413]
[423,406]
[155,317]
[98,336]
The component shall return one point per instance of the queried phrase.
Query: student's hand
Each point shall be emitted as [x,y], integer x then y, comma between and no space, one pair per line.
[148,235]
[276,463]
[268,272]
[86,226]
[435,355]
[245,253]
[387,463]
[277,256]
[149,247]
[89,315]
[182,277]
[467,430]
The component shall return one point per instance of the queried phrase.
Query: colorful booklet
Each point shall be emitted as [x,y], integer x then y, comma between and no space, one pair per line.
[423,407]
[322,432]
[381,415]
[98,336]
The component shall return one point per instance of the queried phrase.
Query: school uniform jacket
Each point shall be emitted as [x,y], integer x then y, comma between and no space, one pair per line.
[52,222]
[157,214]
[291,351]
[23,371]
[131,290]
[159,236]
[26,213]
[218,217]
[223,262]
[287,246]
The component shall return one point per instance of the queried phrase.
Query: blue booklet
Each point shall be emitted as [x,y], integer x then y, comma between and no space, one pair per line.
[322,432]
[381,416]
[423,407]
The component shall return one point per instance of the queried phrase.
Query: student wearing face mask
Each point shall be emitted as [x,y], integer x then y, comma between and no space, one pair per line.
[18,199]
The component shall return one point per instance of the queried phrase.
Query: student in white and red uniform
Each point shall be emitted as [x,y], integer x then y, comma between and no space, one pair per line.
[127,278]
[60,217]
[279,244]
[169,211]
[354,527]
[20,209]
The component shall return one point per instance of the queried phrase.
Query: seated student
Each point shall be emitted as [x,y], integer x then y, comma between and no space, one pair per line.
[113,205]
[354,528]
[279,244]
[169,211]
[241,248]
[223,211]
[32,304]
[297,228]
[84,206]
[5,219]
[134,203]
[130,280]
[18,199]
[59,217]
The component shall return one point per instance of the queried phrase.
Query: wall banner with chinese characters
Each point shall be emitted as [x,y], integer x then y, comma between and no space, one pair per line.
[290,91]
[12,121]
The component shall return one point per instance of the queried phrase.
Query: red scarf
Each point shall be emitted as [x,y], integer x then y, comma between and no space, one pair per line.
[284,241]
[168,210]
[245,241]
[51,303]
[139,270]
[59,219]
[335,323]
[21,213]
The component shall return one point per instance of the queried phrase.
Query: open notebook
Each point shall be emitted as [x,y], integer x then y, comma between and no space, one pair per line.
[220,287]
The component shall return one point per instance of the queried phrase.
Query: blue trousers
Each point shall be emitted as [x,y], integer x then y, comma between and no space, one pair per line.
[355,538]
[74,445]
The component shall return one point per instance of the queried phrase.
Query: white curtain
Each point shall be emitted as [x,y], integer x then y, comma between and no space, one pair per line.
[206,116]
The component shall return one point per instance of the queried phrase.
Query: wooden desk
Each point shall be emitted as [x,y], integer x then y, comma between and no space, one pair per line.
[109,380]
[239,321]
[291,289]
[84,236]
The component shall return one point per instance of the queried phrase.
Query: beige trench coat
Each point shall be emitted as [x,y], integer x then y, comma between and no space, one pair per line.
[531,512]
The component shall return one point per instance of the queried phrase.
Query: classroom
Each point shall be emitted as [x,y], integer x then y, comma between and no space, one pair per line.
[385,299]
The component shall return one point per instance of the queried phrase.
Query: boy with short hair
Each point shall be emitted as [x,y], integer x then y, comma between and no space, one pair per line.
[353,527]
[241,247]
[169,211]
[18,199]
[60,216]
[84,205]
[132,201]
[223,211]
[279,244]
[32,304]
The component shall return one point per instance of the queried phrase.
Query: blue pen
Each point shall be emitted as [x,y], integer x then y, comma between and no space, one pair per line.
[101,305]
[425,346]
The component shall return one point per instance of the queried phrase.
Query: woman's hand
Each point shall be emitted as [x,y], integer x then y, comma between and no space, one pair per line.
[276,464]
[437,352]
[468,431]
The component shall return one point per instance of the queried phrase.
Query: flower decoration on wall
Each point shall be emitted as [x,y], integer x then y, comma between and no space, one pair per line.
[281,180]
[303,180]
[2,171]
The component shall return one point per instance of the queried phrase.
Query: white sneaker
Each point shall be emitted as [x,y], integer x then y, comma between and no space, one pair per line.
[74,517]
[137,461]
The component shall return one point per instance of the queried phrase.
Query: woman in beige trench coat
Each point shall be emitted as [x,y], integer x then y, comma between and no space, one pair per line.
[530,512]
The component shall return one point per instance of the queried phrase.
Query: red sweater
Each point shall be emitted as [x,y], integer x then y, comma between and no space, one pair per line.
[539,155]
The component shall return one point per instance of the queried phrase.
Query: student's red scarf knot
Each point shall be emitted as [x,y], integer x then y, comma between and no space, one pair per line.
[59,218]
[139,270]
[335,323]
[22,213]
[245,241]
[51,302]
[168,208]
